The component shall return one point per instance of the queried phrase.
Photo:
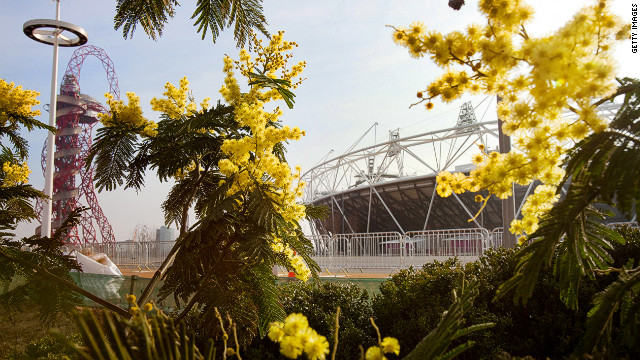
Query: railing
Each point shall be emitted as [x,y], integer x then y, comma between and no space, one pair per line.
[385,250]
[496,238]
[631,224]
[394,250]
[148,254]
[364,250]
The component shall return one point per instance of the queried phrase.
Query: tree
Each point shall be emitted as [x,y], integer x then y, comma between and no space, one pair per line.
[15,194]
[228,165]
[213,15]
[30,272]
[602,168]
[538,79]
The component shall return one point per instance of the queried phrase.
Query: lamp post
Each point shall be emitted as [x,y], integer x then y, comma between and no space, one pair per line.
[56,33]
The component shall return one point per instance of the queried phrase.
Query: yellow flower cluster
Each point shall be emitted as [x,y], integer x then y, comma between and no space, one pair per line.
[388,345]
[135,310]
[297,263]
[130,114]
[15,101]
[295,337]
[536,205]
[537,79]
[184,172]
[178,102]
[15,174]
[251,159]
[271,60]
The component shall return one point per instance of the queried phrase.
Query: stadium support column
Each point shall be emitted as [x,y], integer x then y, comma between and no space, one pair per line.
[508,204]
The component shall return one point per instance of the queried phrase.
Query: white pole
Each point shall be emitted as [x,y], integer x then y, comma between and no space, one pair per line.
[51,140]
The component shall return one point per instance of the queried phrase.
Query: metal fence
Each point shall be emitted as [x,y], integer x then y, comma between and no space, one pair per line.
[359,250]
[496,238]
[631,224]
[385,250]
[394,250]
[149,254]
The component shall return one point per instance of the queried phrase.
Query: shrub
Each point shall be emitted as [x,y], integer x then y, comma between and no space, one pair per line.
[411,303]
[48,347]
[625,340]
[318,302]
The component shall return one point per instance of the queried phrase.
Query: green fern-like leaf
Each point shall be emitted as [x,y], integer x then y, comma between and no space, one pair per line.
[113,150]
[450,327]
[605,304]
[35,270]
[281,85]
[143,336]
[152,15]
[210,15]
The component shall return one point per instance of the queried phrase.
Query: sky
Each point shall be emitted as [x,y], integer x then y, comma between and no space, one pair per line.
[355,76]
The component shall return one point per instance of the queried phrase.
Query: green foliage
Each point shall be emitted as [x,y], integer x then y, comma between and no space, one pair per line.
[48,347]
[436,345]
[15,206]
[619,296]
[11,127]
[15,200]
[225,259]
[213,15]
[143,336]
[585,232]
[122,158]
[218,14]
[35,274]
[318,301]
[250,304]
[281,85]
[603,168]
[615,307]
[152,14]
[623,253]
[120,145]
[410,305]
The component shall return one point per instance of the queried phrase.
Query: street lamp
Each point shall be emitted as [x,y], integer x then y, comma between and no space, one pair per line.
[56,33]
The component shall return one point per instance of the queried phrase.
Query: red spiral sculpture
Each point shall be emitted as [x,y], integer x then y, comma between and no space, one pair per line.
[77,114]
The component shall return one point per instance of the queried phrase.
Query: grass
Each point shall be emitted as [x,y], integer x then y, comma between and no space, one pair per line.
[19,328]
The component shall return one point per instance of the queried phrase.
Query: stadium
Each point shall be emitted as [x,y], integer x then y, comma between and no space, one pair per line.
[383,209]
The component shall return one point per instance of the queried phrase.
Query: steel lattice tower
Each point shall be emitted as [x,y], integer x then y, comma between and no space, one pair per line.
[77,114]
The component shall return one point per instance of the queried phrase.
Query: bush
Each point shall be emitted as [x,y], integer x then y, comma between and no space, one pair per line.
[543,327]
[411,303]
[624,341]
[48,347]
[318,302]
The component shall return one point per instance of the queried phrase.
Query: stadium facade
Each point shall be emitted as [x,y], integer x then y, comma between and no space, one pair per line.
[390,186]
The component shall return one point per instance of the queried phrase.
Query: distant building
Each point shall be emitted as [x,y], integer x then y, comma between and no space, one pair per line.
[165,234]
